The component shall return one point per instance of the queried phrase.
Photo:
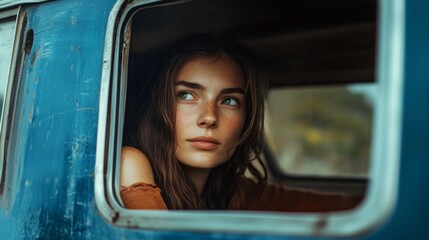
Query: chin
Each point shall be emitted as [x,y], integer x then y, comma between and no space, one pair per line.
[203,163]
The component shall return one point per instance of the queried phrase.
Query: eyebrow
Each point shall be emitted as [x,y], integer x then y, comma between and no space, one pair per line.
[190,85]
[232,90]
[201,87]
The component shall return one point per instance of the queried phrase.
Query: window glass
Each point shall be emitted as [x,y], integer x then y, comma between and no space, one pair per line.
[7,33]
[321,130]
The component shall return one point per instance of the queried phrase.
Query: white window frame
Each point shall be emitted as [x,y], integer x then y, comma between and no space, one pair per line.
[382,190]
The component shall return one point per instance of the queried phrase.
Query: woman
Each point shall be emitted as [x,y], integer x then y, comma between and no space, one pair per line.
[201,132]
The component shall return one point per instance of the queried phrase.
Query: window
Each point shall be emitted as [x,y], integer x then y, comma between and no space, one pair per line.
[322,130]
[7,31]
[308,49]
[7,37]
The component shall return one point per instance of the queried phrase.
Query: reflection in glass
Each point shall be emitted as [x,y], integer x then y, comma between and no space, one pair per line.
[7,32]
[321,130]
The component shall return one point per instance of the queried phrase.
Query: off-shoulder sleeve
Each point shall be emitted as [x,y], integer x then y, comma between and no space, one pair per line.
[142,196]
[274,197]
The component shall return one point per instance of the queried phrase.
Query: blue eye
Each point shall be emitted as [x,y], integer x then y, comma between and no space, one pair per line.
[185,96]
[230,101]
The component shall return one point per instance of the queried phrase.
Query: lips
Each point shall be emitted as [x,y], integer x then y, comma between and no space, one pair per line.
[204,143]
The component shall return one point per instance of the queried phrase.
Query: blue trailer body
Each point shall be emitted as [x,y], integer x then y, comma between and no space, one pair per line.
[48,181]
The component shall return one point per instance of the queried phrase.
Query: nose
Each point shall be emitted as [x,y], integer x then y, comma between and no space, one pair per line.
[208,117]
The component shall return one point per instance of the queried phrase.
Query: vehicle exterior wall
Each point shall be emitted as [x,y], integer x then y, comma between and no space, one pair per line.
[50,165]
[48,190]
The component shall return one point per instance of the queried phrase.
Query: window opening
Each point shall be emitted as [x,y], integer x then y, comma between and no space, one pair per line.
[322,130]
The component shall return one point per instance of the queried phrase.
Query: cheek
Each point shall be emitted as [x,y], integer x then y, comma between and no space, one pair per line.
[183,120]
[234,125]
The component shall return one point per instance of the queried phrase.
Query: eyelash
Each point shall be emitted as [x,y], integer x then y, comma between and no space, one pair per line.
[181,93]
[233,99]
[180,96]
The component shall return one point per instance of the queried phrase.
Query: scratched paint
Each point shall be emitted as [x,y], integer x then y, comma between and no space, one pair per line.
[53,161]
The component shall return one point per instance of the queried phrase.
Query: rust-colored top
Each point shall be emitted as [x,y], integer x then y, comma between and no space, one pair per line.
[270,197]
[142,196]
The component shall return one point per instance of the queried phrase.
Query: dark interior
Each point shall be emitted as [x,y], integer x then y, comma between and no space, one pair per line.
[306,42]
[297,42]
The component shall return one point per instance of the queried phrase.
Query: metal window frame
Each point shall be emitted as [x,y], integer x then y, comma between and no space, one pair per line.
[11,87]
[373,211]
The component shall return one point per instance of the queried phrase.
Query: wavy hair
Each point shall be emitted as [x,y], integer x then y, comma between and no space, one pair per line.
[155,134]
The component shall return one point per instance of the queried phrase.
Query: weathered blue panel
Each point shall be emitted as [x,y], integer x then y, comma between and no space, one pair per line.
[49,177]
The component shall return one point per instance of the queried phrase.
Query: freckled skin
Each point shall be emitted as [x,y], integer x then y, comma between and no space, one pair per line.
[209,111]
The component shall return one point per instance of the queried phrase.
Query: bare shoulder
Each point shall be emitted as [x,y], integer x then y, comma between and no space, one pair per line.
[135,167]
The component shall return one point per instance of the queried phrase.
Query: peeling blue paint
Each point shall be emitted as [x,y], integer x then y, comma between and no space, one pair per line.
[52,161]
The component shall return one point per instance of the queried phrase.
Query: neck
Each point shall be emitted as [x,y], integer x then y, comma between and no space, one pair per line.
[198,177]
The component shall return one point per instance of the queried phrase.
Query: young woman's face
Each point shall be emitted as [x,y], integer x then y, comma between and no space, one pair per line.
[210,111]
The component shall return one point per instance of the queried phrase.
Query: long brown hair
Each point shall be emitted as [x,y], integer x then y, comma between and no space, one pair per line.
[155,134]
